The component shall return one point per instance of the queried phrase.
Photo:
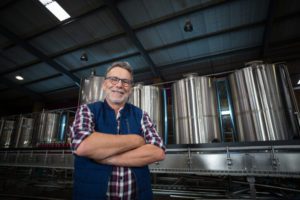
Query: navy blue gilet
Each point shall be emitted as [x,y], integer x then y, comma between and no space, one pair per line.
[91,178]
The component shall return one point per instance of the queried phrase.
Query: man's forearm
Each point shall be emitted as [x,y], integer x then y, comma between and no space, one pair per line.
[101,145]
[138,157]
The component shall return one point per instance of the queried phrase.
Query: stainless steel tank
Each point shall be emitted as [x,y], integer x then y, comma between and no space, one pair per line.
[91,89]
[1,126]
[47,128]
[195,110]
[149,99]
[24,132]
[6,135]
[136,95]
[260,105]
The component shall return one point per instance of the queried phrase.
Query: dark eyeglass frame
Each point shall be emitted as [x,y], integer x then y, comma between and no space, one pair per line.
[115,80]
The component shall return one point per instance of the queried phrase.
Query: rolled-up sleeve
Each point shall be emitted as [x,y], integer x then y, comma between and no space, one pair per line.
[83,125]
[150,132]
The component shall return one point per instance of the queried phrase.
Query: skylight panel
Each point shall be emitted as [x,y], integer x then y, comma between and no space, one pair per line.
[55,9]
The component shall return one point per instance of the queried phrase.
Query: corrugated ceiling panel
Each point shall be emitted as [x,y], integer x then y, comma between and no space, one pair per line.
[137,12]
[51,84]
[78,7]
[53,41]
[283,8]
[209,46]
[6,63]
[208,21]
[95,26]
[34,72]
[26,17]
[137,63]
[280,33]
[99,71]
[4,41]
[98,53]
[19,55]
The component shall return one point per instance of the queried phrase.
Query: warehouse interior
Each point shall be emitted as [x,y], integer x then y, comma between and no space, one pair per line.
[166,42]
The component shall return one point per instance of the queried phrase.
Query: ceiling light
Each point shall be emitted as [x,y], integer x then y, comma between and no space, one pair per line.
[55,9]
[84,57]
[19,77]
[188,26]
[298,82]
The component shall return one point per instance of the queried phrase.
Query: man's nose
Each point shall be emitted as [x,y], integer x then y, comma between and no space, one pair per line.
[119,83]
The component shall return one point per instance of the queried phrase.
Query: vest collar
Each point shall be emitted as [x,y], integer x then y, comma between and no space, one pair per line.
[124,109]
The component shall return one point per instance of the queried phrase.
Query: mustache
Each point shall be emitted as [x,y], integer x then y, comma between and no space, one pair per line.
[119,91]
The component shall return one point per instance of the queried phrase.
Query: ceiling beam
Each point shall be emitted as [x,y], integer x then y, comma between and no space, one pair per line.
[34,51]
[132,36]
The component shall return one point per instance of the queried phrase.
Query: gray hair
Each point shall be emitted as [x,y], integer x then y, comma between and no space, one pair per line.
[124,65]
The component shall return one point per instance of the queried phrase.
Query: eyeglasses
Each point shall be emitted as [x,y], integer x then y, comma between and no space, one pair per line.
[115,80]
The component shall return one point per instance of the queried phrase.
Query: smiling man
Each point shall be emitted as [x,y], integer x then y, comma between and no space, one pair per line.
[113,142]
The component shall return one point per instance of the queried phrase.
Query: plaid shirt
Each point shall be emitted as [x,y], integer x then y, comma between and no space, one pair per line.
[122,184]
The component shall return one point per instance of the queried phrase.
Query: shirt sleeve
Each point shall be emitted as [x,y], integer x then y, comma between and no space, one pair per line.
[150,132]
[83,125]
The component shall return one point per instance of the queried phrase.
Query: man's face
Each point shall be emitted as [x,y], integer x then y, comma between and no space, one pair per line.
[117,92]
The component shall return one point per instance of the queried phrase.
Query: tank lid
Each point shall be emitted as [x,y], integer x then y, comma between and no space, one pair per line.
[254,62]
[139,84]
[190,75]
[93,72]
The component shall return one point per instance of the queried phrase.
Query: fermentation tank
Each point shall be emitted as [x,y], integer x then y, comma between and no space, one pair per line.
[47,130]
[195,110]
[1,126]
[149,99]
[264,103]
[23,136]
[6,135]
[136,95]
[91,89]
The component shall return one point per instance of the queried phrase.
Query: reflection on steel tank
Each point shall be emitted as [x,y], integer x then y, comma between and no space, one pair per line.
[1,126]
[264,103]
[91,89]
[47,128]
[6,134]
[23,137]
[62,130]
[149,99]
[195,110]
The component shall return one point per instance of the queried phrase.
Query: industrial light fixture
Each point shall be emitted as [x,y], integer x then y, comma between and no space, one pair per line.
[84,57]
[55,9]
[188,26]
[19,77]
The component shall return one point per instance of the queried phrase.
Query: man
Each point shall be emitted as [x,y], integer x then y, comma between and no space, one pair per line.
[113,142]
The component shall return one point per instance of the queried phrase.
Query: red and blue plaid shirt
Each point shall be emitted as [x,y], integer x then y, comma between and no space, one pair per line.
[122,184]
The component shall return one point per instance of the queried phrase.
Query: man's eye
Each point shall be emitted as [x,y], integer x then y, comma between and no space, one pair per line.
[114,79]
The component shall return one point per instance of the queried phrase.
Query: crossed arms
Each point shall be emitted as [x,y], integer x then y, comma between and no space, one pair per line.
[120,150]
